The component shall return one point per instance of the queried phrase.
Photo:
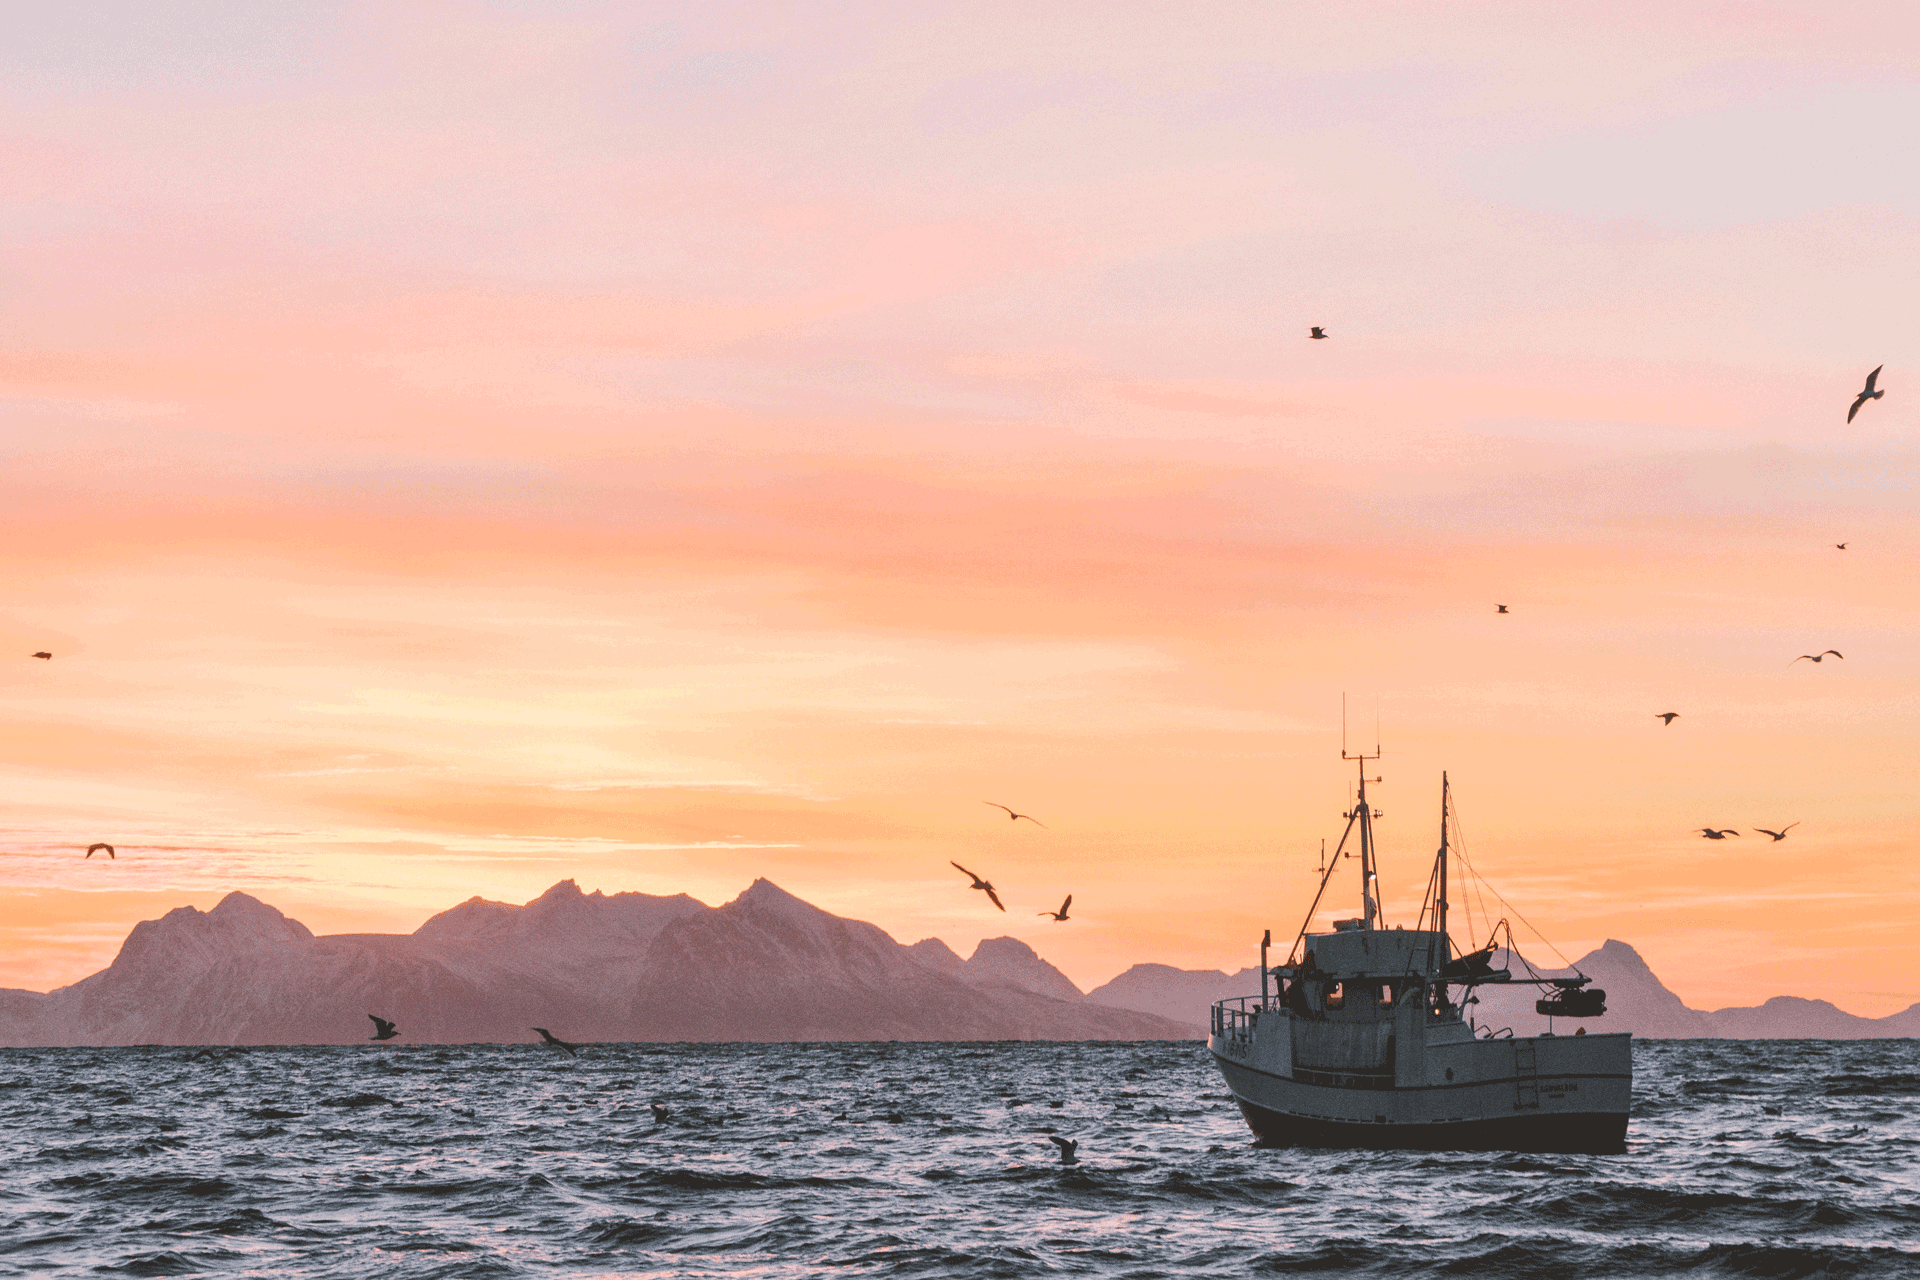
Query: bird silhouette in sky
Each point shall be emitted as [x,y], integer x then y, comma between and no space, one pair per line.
[42,654]
[1710,834]
[978,883]
[95,848]
[1666,717]
[382,1029]
[1061,914]
[1866,393]
[1499,608]
[1839,546]
[1779,835]
[1016,816]
[1067,1147]
[1316,332]
[555,1042]
[1815,657]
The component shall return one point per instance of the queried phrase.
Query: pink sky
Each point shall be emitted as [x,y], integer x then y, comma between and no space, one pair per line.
[455,450]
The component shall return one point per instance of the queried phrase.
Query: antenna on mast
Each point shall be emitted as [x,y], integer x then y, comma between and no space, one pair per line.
[1364,814]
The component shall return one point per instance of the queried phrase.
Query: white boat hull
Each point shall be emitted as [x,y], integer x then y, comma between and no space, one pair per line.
[1541,1093]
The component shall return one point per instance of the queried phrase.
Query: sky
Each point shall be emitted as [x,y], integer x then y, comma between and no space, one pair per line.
[449,449]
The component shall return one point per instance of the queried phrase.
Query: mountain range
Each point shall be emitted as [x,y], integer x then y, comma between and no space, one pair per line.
[625,967]
[763,967]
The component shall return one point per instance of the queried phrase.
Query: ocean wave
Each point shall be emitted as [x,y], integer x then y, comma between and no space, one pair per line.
[479,1162]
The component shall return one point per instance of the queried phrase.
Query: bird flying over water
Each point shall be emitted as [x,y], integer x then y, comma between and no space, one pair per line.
[1779,835]
[95,848]
[1866,393]
[1815,657]
[1067,1147]
[1666,717]
[555,1042]
[1016,816]
[660,1113]
[382,1029]
[1061,914]
[978,883]
[1316,332]
[42,654]
[1710,834]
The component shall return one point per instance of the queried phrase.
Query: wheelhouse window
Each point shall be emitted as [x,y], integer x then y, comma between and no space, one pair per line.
[1337,996]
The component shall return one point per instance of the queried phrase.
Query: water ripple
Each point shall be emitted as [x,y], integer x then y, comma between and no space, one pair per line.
[1775,1159]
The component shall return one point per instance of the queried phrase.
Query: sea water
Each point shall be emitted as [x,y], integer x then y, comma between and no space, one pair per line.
[1776,1158]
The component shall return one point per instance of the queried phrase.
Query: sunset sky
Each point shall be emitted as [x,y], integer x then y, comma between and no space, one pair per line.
[453,448]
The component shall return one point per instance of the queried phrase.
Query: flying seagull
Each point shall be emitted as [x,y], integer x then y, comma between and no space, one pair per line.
[1815,657]
[1067,1147]
[1061,914]
[1499,608]
[1016,816]
[42,654]
[660,1113]
[95,848]
[382,1029]
[555,1042]
[1779,835]
[1839,546]
[1318,332]
[1866,393]
[1710,834]
[1666,717]
[978,883]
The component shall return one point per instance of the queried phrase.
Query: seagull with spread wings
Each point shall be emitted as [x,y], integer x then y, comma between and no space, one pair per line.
[1708,833]
[1061,914]
[1067,1148]
[978,883]
[1667,717]
[1015,817]
[1779,835]
[95,848]
[1815,657]
[1867,392]
[382,1029]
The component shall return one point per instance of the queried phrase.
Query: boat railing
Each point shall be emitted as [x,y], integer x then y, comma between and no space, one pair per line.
[1235,1017]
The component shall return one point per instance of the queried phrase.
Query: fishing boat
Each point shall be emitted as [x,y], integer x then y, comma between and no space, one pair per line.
[1366,1036]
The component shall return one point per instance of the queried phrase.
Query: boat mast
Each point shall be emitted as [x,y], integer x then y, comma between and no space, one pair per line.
[1440,899]
[1369,908]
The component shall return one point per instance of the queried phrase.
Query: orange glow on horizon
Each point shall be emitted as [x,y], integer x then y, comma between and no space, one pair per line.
[452,454]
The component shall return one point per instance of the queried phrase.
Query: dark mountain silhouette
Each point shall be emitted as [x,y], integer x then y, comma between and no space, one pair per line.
[1637,1001]
[629,966]
[1183,995]
[766,966]
[1011,964]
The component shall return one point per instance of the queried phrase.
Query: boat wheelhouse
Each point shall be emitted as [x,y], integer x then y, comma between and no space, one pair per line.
[1366,1039]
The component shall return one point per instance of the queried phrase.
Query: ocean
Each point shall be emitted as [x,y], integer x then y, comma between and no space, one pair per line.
[1746,1158]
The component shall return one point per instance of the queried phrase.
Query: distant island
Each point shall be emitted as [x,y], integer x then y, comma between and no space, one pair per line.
[763,967]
